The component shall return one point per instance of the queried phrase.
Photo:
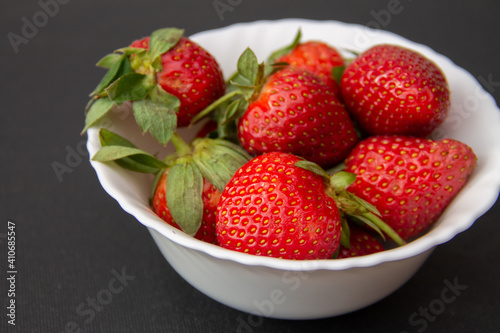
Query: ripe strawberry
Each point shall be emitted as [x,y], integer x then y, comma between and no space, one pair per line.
[273,208]
[362,243]
[409,180]
[318,58]
[210,197]
[280,205]
[168,77]
[393,90]
[295,112]
[190,73]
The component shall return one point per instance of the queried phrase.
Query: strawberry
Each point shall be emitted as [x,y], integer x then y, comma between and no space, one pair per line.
[273,208]
[168,77]
[318,58]
[389,89]
[280,205]
[409,180]
[362,243]
[296,113]
[187,184]
[210,198]
[284,108]
[190,73]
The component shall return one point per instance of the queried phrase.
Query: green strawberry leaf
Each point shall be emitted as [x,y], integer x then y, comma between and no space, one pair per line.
[345,235]
[342,180]
[337,73]
[218,160]
[365,204]
[130,158]
[97,110]
[157,114]
[287,49]
[109,60]
[361,220]
[184,196]
[108,138]
[351,51]
[273,68]
[380,226]
[130,87]
[336,253]
[244,89]
[140,162]
[248,66]
[234,111]
[119,68]
[160,96]
[129,50]
[313,167]
[161,41]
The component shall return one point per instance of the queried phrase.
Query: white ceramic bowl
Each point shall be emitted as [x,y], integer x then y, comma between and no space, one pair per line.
[312,289]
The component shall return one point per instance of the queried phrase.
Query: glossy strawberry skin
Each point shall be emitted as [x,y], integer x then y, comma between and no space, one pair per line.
[210,197]
[296,113]
[362,244]
[409,180]
[191,74]
[273,208]
[392,90]
[318,58]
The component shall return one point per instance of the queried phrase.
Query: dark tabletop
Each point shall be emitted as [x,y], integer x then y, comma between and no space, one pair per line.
[72,239]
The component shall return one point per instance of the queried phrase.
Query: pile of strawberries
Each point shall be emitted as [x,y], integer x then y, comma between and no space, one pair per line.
[305,155]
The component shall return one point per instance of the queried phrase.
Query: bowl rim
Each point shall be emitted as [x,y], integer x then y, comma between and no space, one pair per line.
[429,241]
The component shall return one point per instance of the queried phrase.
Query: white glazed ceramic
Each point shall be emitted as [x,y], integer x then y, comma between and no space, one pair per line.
[311,289]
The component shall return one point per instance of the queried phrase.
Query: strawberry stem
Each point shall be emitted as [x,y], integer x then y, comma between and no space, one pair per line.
[384,227]
[180,145]
[214,105]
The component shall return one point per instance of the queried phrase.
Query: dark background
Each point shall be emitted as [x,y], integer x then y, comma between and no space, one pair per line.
[71,235]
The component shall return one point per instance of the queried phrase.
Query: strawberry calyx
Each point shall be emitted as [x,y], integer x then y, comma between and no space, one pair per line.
[357,208]
[160,42]
[131,76]
[243,87]
[218,159]
[351,205]
[214,160]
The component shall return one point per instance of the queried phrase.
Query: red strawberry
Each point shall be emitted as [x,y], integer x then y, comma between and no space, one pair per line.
[168,78]
[210,197]
[273,208]
[295,112]
[280,205]
[190,73]
[362,244]
[318,58]
[393,90]
[409,180]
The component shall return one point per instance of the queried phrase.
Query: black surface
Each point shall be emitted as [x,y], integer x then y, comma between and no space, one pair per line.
[71,235]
